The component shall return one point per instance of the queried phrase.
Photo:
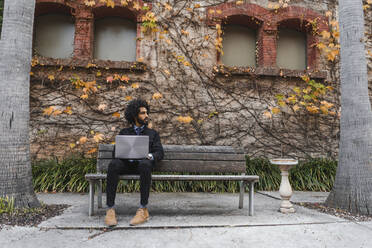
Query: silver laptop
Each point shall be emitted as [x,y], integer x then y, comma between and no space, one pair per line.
[131,146]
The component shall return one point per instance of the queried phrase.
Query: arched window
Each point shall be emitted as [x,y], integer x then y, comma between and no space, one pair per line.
[239,40]
[115,39]
[291,49]
[54,31]
[239,46]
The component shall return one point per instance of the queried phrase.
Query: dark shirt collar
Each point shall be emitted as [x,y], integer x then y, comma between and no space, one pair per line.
[138,128]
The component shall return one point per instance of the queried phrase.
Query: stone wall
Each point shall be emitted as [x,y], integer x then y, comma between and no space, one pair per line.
[227,105]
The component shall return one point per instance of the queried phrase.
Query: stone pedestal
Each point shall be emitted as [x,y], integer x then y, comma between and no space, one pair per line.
[285,189]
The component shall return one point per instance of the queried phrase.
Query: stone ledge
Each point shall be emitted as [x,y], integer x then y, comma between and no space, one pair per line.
[267,71]
[95,63]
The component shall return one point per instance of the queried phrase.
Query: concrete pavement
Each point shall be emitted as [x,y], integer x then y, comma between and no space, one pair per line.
[192,220]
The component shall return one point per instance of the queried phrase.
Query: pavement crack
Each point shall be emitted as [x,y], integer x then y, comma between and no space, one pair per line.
[105,230]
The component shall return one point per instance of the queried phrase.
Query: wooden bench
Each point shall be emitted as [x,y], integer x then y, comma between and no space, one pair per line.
[184,159]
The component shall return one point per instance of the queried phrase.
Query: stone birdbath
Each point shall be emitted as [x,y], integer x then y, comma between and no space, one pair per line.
[285,189]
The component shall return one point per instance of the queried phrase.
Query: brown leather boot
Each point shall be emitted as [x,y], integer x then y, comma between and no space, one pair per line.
[142,215]
[110,219]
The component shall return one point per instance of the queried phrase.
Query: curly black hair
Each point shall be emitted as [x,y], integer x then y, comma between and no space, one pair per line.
[133,109]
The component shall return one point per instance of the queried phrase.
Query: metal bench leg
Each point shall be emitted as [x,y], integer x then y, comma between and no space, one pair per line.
[99,193]
[241,195]
[251,195]
[91,197]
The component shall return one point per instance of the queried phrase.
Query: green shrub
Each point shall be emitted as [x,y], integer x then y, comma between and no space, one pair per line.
[6,205]
[62,176]
[67,175]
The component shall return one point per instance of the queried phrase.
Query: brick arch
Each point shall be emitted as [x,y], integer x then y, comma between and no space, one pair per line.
[126,11]
[300,13]
[53,6]
[217,13]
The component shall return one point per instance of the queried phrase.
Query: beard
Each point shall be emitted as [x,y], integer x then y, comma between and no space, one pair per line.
[144,121]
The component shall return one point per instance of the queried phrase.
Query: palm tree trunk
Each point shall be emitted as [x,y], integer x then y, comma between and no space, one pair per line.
[15,61]
[353,185]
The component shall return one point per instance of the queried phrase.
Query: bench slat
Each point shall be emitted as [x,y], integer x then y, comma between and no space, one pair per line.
[250,178]
[186,148]
[190,166]
[188,156]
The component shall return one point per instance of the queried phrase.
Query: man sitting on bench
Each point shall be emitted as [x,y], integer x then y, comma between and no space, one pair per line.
[137,115]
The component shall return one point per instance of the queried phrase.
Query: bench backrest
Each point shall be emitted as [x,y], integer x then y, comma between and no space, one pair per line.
[181,158]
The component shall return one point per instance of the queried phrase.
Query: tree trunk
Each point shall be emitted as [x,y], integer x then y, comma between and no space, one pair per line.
[15,61]
[353,185]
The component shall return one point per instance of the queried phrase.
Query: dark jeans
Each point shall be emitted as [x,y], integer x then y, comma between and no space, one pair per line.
[119,167]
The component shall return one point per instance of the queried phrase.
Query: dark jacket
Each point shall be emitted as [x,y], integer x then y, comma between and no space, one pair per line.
[155,147]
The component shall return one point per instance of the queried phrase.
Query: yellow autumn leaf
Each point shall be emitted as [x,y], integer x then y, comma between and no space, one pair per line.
[92,151]
[110,3]
[167,72]
[124,2]
[124,78]
[296,107]
[324,109]
[68,110]
[186,63]
[239,2]
[326,34]
[328,14]
[99,73]
[267,114]
[136,6]
[327,104]
[320,45]
[128,98]
[275,110]
[184,119]
[48,111]
[306,78]
[34,62]
[116,114]
[72,145]
[89,65]
[83,140]
[85,96]
[90,3]
[31,73]
[167,6]
[197,6]
[157,96]
[98,137]
[313,109]
[140,60]
[135,85]
[51,77]
[334,23]
[57,112]
[219,11]
[102,106]
[281,103]
[184,32]
[211,11]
